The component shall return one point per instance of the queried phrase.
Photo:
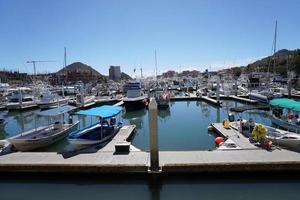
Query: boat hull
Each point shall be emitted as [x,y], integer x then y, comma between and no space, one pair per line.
[28,144]
[91,136]
[258,97]
[54,104]
[18,106]
[134,104]
[286,125]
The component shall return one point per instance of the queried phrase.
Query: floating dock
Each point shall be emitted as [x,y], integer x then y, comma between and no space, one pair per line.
[245,108]
[211,100]
[242,99]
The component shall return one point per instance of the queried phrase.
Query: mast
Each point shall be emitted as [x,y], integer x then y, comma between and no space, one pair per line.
[155,65]
[275,43]
[65,64]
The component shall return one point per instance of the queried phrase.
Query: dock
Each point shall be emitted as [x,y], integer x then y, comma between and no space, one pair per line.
[245,108]
[242,99]
[120,103]
[248,158]
[211,100]
[102,161]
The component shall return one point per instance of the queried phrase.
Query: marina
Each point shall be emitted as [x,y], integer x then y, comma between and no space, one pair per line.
[149,100]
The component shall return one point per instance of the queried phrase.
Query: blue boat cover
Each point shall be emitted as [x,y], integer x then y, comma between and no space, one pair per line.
[56,111]
[102,111]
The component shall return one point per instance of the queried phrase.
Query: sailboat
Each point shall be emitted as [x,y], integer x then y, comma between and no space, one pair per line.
[264,95]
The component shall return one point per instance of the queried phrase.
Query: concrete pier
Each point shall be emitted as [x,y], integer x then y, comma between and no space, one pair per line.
[154,156]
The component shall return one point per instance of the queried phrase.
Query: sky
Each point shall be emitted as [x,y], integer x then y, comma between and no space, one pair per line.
[186,34]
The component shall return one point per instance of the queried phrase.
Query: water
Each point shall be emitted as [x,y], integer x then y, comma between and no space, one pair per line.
[169,188]
[181,127]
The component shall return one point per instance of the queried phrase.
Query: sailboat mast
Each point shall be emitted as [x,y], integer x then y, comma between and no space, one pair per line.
[65,64]
[275,43]
[155,66]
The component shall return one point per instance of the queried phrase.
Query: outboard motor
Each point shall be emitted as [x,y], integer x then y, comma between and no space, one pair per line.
[231,117]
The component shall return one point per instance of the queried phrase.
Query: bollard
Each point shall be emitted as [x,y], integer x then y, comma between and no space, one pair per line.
[154,157]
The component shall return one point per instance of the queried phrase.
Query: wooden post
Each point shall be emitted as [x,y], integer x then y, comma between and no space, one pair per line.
[154,157]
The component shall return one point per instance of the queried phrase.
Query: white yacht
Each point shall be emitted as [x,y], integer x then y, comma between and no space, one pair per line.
[135,99]
[21,98]
[49,100]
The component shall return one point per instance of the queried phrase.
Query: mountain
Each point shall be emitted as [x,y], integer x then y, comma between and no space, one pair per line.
[79,67]
[125,76]
[80,72]
[281,62]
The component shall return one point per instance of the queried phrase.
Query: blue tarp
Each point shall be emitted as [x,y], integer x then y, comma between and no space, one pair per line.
[56,111]
[102,111]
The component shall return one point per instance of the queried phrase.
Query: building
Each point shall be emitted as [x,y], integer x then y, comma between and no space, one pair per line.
[114,73]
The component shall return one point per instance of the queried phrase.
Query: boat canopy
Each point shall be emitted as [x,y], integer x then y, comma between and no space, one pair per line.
[102,111]
[56,111]
[286,103]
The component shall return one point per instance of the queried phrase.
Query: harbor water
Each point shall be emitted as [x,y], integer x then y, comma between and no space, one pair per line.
[181,127]
[167,189]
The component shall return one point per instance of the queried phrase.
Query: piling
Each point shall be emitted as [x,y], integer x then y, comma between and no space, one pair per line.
[154,157]
[289,88]
[218,91]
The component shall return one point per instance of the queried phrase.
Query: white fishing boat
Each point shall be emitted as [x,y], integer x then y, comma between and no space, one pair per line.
[44,135]
[99,132]
[277,136]
[21,98]
[285,114]
[49,100]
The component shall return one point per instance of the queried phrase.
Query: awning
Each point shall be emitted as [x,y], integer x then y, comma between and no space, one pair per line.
[102,111]
[286,103]
[56,111]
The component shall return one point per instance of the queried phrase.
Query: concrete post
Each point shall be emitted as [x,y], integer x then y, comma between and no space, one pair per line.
[218,91]
[154,157]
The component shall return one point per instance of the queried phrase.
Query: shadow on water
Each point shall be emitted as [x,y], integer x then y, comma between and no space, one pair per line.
[196,186]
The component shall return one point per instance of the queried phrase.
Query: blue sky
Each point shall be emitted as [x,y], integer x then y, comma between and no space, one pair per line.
[187,34]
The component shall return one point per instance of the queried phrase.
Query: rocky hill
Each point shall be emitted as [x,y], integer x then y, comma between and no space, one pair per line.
[125,77]
[283,59]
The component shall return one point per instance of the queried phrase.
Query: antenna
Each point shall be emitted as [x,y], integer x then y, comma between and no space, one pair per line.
[141,72]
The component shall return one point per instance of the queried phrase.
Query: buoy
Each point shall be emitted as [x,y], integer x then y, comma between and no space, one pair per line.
[210,128]
[219,140]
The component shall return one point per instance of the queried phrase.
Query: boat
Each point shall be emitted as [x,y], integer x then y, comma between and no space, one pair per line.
[20,99]
[262,96]
[44,135]
[135,99]
[49,100]
[162,99]
[100,132]
[279,137]
[289,121]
